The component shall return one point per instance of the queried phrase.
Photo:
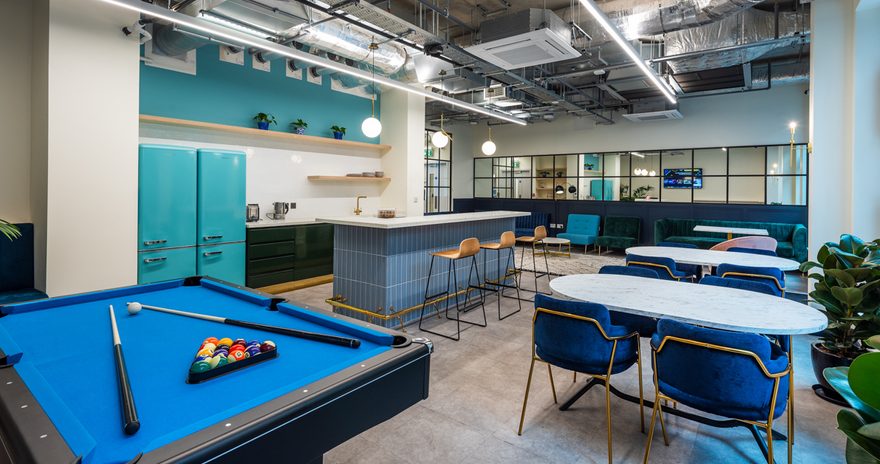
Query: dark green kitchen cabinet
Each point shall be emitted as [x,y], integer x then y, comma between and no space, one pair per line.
[286,253]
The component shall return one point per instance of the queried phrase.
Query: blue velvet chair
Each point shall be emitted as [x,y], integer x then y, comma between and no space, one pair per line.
[581,229]
[645,326]
[768,275]
[692,269]
[580,337]
[752,286]
[736,375]
[753,251]
[665,267]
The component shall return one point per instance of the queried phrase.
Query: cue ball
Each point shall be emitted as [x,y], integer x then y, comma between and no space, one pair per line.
[134,308]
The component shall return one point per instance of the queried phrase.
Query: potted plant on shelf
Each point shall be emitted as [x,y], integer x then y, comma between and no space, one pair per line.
[849,291]
[9,230]
[642,192]
[299,126]
[264,119]
[338,132]
[857,384]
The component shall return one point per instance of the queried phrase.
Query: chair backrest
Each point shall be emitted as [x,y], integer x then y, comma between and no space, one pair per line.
[630,271]
[17,260]
[719,375]
[468,247]
[769,275]
[577,341]
[753,251]
[618,226]
[508,239]
[665,267]
[676,245]
[585,224]
[540,233]
[742,284]
[752,241]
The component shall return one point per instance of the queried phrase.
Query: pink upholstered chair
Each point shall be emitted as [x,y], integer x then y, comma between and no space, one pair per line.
[757,242]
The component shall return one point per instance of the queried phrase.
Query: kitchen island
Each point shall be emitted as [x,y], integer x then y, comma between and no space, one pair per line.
[381,265]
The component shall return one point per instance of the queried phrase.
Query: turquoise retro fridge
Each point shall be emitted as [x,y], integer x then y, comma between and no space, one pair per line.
[191,213]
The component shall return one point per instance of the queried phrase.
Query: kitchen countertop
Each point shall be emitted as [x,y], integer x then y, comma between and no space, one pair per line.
[418,221]
[291,221]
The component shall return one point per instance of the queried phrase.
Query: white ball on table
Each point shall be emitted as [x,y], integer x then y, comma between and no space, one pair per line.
[134,308]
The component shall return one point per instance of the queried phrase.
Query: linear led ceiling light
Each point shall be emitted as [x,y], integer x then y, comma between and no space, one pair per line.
[244,39]
[627,47]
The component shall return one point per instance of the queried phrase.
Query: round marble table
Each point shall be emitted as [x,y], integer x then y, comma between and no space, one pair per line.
[713,258]
[705,305]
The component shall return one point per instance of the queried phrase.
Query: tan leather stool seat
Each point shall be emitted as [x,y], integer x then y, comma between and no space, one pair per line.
[507,241]
[467,248]
[540,234]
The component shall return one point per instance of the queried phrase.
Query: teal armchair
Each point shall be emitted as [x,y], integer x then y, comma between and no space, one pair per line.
[619,233]
[791,238]
[581,229]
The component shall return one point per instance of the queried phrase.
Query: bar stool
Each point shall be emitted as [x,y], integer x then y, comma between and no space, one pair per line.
[537,239]
[507,242]
[468,248]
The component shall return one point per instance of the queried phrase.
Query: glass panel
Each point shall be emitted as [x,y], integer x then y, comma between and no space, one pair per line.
[544,188]
[645,188]
[444,200]
[616,164]
[620,189]
[599,189]
[483,188]
[437,173]
[591,165]
[678,176]
[712,162]
[522,188]
[483,167]
[645,164]
[502,187]
[565,166]
[501,167]
[786,190]
[748,160]
[522,166]
[786,159]
[677,159]
[746,189]
[543,166]
[712,190]
[565,188]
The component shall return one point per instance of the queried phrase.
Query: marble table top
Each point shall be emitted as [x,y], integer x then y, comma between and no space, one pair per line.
[713,258]
[418,221]
[731,230]
[704,305]
[556,241]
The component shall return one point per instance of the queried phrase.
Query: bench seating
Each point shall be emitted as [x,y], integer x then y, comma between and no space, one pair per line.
[791,238]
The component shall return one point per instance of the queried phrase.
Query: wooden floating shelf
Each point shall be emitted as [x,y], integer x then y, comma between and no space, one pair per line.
[348,179]
[325,144]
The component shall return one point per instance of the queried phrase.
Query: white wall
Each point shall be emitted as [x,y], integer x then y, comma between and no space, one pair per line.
[278,174]
[39,166]
[866,122]
[91,150]
[15,110]
[752,118]
[403,127]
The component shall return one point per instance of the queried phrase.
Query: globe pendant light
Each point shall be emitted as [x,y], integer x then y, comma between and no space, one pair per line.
[440,138]
[372,127]
[489,146]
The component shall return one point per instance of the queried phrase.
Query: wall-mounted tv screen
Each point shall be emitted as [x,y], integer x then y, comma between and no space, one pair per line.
[683,178]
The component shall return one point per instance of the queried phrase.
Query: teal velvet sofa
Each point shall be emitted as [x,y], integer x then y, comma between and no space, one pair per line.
[791,238]
[619,233]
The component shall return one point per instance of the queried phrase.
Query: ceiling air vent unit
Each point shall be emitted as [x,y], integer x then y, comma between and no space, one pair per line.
[664,115]
[527,38]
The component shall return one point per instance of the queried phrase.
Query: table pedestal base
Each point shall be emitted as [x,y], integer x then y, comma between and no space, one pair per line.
[725,424]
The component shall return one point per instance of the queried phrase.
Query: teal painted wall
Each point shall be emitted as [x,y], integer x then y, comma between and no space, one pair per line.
[227,93]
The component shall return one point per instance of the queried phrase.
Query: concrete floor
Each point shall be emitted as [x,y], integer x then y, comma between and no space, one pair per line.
[477,387]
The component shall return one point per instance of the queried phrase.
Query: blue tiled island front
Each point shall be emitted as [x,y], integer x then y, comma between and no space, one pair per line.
[381,265]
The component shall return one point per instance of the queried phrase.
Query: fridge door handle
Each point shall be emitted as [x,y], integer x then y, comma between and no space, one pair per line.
[154,242]
[212,253]
[155,260]
[212,237]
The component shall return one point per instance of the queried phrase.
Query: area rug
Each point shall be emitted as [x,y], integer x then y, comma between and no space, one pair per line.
[578,263]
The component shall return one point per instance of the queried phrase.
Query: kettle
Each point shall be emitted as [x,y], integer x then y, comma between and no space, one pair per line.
[281,209]
[253,212]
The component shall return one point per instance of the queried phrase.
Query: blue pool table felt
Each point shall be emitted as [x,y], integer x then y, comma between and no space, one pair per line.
[67,361]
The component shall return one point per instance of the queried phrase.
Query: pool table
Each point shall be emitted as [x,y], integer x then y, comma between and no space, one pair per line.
[59,401]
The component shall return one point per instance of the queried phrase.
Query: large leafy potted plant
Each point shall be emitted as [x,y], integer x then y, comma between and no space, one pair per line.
[848,288]
[857,384]
[9,230]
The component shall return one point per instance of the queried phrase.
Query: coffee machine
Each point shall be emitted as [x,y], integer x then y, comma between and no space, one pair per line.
[253,212]
[280,210]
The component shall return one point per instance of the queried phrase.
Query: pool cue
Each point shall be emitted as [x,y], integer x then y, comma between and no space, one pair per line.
[318,337]
[130,422]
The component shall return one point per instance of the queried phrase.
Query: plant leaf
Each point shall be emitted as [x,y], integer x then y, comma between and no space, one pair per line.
[837,377]
[848,296]
[848,260]
[855,454]
[873,342]
[863,374]
[871,431]
[844,277]
[849,422]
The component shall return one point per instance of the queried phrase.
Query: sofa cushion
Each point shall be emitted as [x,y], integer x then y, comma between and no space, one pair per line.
[702,242]
[578,239]
[785,250]
[616,242]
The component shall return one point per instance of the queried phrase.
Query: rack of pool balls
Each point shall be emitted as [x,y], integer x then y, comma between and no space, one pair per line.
[220,356]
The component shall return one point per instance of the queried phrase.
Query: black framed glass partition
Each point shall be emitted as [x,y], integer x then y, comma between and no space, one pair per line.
[438,176]
[761,174]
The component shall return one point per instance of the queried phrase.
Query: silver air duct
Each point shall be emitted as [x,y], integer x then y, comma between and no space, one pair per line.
[172,42]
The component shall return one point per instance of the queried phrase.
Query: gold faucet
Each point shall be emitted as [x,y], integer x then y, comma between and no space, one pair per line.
[357,208]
